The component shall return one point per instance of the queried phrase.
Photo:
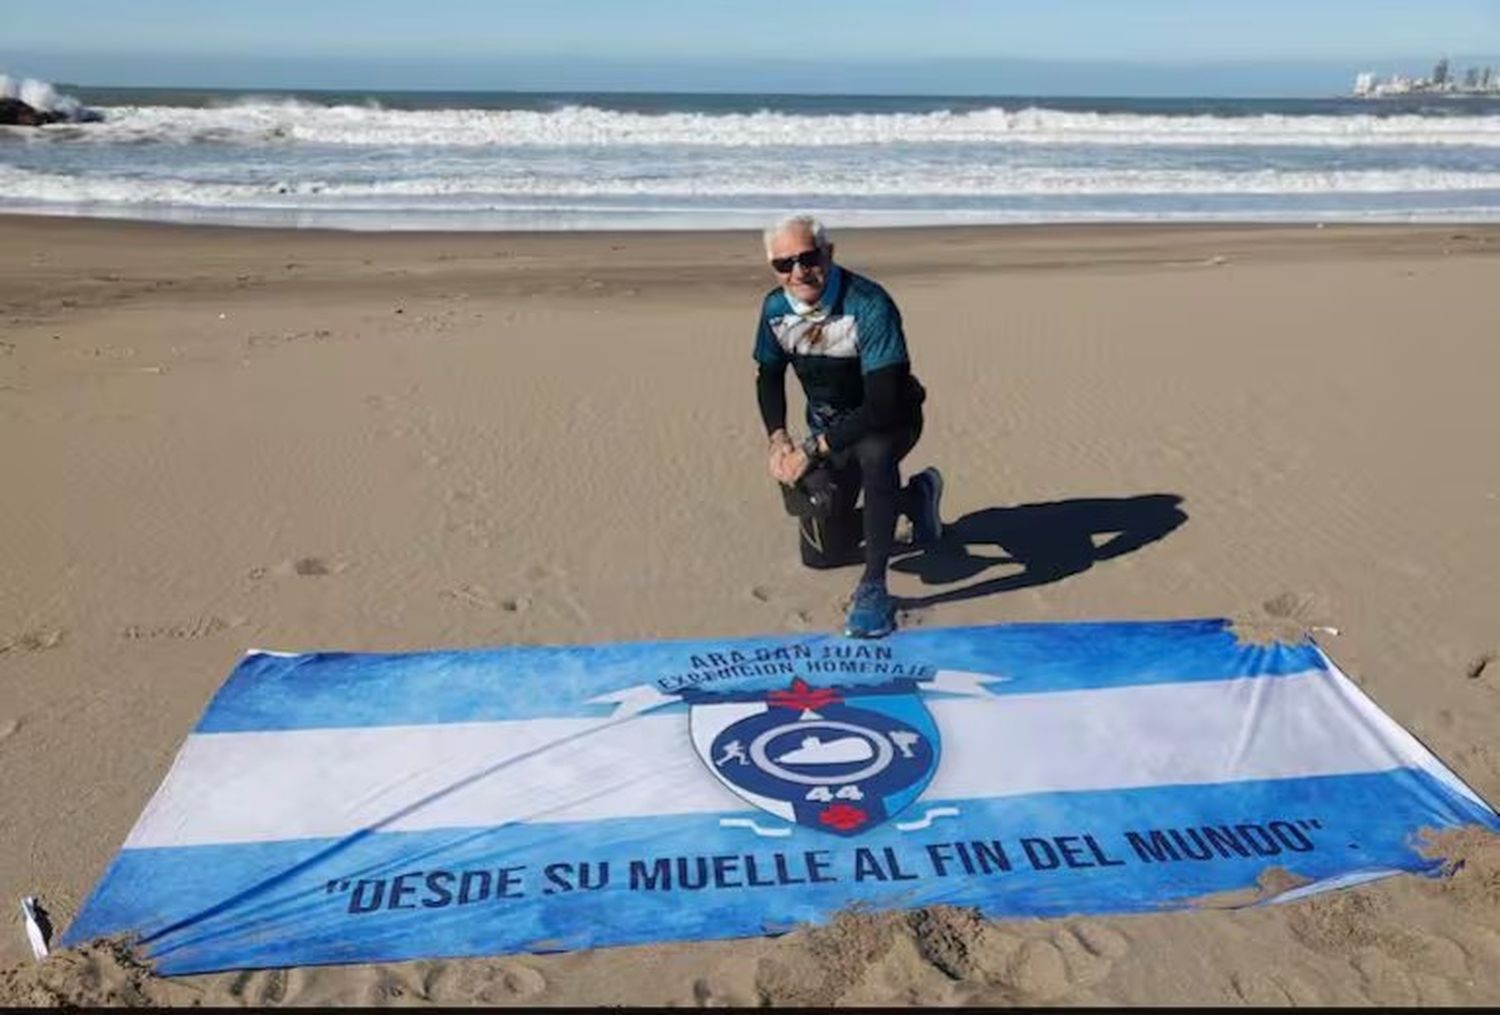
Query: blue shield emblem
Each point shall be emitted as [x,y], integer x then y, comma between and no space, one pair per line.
[838,759]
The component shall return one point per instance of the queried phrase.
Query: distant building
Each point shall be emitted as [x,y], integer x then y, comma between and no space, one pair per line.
[1476,81]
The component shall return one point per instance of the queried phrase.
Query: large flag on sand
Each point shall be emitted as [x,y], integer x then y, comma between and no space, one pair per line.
[339,807]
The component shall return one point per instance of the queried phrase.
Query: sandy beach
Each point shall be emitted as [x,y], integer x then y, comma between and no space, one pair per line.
[215,439]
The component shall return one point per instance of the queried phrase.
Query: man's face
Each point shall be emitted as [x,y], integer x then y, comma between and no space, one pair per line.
[806,267]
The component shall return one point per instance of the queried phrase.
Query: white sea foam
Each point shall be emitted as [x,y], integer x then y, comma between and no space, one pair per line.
[41,96]
[261,160]
[292,122]
[961,182]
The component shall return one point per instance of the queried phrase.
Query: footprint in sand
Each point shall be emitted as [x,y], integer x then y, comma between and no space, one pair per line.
[1286,617]
[481,980]
[1289,606]
[9,728]
[703,994]
[387,989]
[273,987]
[551,588]
[476,596]
[1384,980]
[489,983]
[191,630]
[706,995]
[1040,971]
[1086,966]
[1396,965]
[310,566]
[1101,940]
[301,567]
[1258,988]
[36,639]
[1482,664]
[523,981]
[969,949]
[1445,956]
[1483,944]
[1434,991]
[795,619]
[260,988]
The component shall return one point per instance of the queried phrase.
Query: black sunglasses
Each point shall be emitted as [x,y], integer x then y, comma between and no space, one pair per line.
[808,259]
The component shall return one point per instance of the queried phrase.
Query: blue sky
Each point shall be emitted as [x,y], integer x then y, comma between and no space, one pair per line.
[962,46]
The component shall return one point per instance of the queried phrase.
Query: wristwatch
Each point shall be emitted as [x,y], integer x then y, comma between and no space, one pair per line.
[811,449]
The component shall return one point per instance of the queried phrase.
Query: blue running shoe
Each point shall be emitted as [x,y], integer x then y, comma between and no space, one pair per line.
[927,518]
[872,614]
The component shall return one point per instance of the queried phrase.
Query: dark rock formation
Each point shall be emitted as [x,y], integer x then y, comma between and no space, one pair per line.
[15,113]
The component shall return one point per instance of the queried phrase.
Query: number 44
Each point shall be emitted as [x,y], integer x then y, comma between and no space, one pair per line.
[822,794]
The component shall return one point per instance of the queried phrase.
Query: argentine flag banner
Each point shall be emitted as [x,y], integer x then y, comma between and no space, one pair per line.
[334,807]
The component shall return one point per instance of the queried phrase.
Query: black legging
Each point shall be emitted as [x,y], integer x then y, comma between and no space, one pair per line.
[873,466]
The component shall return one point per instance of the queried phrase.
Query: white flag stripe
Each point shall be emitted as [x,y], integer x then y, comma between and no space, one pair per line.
[1158,735]
[1398,736]
[258,787]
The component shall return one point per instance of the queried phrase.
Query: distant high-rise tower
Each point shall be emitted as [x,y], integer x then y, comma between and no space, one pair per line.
[1440,72]
[1471,78]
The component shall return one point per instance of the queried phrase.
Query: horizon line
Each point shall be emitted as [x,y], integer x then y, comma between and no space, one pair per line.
[491,90]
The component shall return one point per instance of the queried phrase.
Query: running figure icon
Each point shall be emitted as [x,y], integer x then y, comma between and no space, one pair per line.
[733,751]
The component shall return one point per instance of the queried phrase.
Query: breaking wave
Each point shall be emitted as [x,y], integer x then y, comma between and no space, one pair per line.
[726,182]
[43,97]
[289,121]
[260,160]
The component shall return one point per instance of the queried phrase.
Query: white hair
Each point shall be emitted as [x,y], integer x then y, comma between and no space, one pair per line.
[809,222]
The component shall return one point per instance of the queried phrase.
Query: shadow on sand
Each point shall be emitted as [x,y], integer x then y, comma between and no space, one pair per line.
[1049,542]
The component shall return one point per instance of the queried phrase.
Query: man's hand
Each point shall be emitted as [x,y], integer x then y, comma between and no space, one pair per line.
[793,464]
[781,448]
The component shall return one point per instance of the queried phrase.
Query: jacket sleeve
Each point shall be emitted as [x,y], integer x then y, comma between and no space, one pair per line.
[770,378]
[770,392]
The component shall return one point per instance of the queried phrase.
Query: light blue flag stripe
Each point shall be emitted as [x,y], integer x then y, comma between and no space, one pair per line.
[396,896]
[320,690]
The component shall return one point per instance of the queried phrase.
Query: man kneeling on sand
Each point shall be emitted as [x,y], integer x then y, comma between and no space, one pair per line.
[842,334]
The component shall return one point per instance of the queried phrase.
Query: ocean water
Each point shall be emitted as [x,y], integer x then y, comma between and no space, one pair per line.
[438,160]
